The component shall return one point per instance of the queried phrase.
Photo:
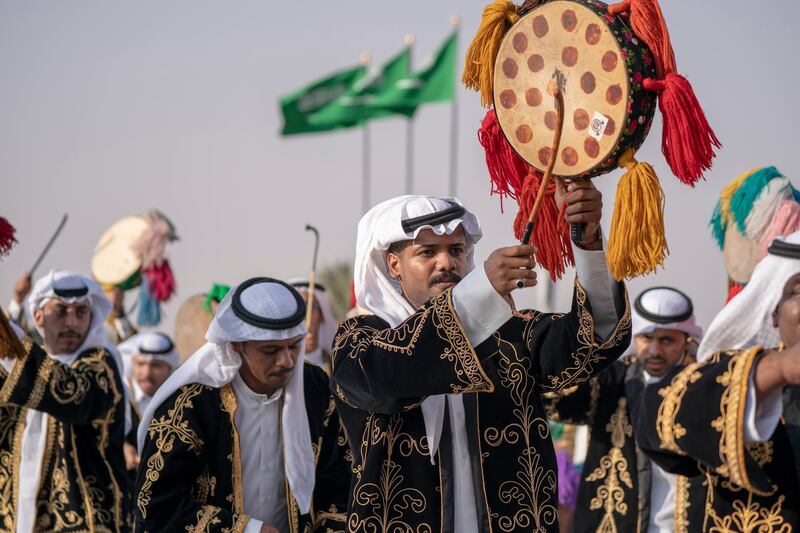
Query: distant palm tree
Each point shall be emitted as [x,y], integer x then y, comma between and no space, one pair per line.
[337,279]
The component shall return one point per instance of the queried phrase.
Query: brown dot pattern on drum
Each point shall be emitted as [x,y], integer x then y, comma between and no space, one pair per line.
[576,40]
[535,63]
[520,42]
[540,26]
[588,82]
[611,126]
[593,33]
[580,119]
[568,20]
[533,97]
[609,61]
[524,134]
[614,94]
[544,155]
[510,68]
[508,98]
[569,156]
[569,56]
[591,147]
[550,119]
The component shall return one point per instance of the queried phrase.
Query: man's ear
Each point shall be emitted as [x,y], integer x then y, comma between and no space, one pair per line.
[393,263]
[38,317]
[775,315]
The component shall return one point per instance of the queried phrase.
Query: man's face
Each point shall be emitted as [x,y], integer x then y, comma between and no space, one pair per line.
[268,365]
[429,265]
[786,316]
[64,326]
[312,338]
[149,373]
[661,349]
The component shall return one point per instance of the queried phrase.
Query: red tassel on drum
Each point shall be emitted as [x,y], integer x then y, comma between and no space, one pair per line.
[550,236]
[688,141]
[506,169]
[161,281]
[7,233]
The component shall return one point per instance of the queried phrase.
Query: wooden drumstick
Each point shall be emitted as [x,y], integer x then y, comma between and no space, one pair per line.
[556,86]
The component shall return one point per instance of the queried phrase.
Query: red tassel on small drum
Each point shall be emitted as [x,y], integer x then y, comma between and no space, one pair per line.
[688,141]
[161,281]
[506,169]
[550,236]
[7,239]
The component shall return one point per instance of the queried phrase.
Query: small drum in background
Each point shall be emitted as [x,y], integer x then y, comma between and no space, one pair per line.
[191,324]
[606,109]
[114,261]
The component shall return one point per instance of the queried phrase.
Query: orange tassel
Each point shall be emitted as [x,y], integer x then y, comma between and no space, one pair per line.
[550,232]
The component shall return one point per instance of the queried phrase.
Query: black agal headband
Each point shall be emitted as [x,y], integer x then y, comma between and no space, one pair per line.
[784,249]
[267,322]
[663,319]
[440,217]
[76,292]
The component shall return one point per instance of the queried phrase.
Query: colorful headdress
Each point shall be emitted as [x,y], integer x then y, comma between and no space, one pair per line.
[615,63]
[752,210]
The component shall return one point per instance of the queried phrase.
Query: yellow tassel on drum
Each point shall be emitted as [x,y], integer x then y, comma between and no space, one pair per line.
[637,244]
[498,17]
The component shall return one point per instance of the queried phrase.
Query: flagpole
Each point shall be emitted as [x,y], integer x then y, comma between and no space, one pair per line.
[452,188]
[365,154]
[409,41]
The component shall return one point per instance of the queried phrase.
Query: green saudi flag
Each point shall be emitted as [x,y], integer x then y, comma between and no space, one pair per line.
[434,81]
[298,107]
[354,106]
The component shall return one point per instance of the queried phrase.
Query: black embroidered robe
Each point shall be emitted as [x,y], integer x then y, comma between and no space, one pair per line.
[692,423]
[381,375]
[190,476]
[614,493]
[83,487]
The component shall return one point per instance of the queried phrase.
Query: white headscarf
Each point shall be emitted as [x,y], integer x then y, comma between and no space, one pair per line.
[328,326]
[380,294]
[662,304]
[216,364]
[747,319]
[148,345]
[57,285]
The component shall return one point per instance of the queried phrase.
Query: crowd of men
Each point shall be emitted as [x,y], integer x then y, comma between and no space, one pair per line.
[429,410]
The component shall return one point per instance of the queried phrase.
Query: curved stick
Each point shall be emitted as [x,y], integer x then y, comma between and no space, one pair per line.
[49,244]
[558,87]
[310,302]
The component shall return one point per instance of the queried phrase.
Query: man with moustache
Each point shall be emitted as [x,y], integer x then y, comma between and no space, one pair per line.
[62,416]
[621,488]
[244,435]
[440,388]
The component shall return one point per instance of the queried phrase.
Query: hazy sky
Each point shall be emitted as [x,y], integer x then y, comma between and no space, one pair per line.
[110,108]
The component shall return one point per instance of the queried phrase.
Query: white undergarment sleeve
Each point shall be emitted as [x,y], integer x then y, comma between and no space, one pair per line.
[479,307]
[761,418]
[600,286]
